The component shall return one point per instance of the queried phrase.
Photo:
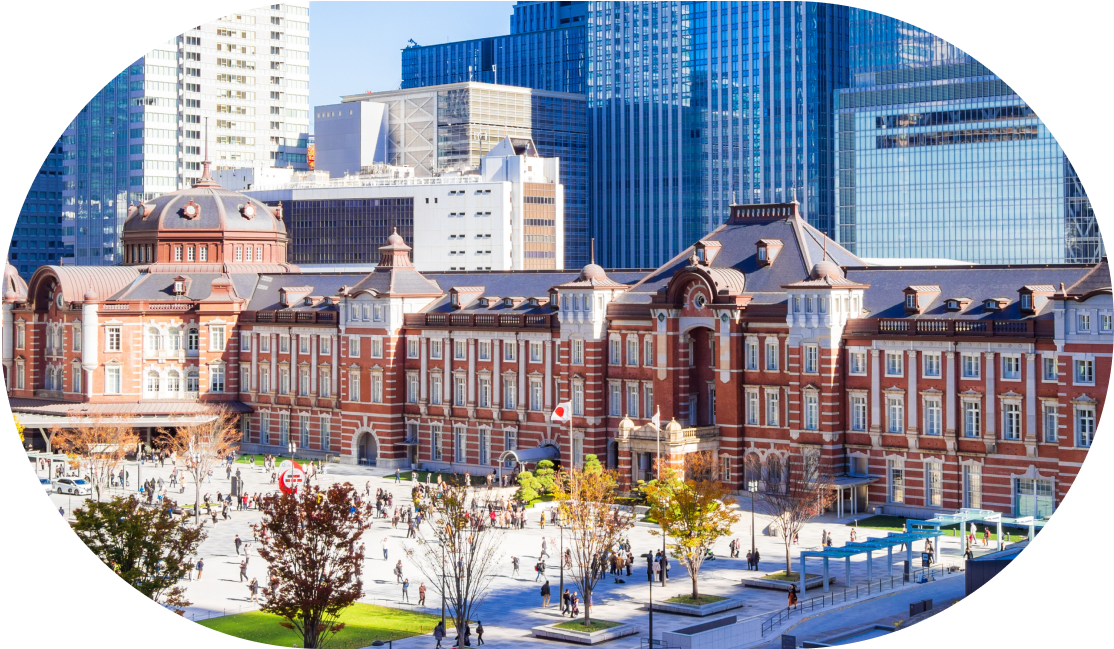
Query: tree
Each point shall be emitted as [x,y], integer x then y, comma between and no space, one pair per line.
[545,473]
[99,444]
[204,441]
[456,555]
[592,463]
[693,508]
[18,428]
[148,547]
[587,506]
[311,540]
[528,487]
[803,496]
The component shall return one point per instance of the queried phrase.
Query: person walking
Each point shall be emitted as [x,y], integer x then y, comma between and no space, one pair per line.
[398,476]
[200,567]
[254,588]
[398,572]
[565,602]
[238,543]
[406,590]
[792,595]
[750,560]
[421,594]
[243,571]
[539,568]
[514,564]
[439,633]
[545,594]
[757,558]
[384,543]
[479,633]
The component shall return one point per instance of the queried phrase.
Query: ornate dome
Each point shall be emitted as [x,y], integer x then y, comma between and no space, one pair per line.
[592,272]
[201,208]
[826,268]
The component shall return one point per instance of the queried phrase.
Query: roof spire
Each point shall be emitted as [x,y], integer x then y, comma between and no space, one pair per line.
[206,180]
[593,247]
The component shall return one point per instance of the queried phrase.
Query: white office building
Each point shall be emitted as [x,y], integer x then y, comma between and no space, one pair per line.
[144,134]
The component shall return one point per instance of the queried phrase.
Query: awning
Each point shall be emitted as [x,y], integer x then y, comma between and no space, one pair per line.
[531,455]
[34,420]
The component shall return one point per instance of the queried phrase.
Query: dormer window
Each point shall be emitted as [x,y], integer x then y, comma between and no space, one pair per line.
[309,301]
[953,305]
[761,253]
[179,287]
[508,302]
[996,303]
[919,297]
[1026,302]
[768,250]
[1033,297]
[533,301]
[454,299]
[911,301]
[483,301]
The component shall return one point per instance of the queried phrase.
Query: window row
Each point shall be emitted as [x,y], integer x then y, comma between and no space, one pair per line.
[276,429]
[615,351]
[305,383]
[305,343]
[632,399]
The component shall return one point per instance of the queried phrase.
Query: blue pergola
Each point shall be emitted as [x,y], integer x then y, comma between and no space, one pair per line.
[961,518]
[867,547]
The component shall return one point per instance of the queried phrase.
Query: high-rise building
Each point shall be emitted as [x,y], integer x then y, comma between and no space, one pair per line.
[453,126]
[939,158]
[38,228]
[144,134]
[691,106]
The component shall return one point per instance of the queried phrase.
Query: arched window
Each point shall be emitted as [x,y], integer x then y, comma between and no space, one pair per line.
[774,477]
[154,340]
[191,381]
[173,382]
[152,382]
[753,468]
[50,378]
[175,339]
[191,339]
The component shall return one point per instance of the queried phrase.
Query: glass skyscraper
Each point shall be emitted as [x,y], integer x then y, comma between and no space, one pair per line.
[939,158]
[144,133]
[38,229]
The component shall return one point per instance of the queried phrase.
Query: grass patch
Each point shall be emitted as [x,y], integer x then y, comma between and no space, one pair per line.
[246,459]
[631,502]
[451,478]
[696,601]
[578,625]
[364,624]
[544,498]
[648,519]
[791,577]
[895,524]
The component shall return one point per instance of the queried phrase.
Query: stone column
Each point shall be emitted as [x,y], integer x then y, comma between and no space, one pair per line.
[523,397]
[1031,397]
[254,342]
[423,343]
[447,384]
[496,379]
[911,369]
[950,404]
[335,367]
[547,389]
[471,372]
[990,423]
[875,392]
[274,364]
[314,341]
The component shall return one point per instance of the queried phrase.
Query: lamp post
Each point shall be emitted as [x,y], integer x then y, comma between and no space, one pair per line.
[752,488]
[293,448]
[442,585]
[195,457]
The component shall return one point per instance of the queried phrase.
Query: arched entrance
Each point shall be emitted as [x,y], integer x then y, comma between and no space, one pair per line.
[700,402]
[367,450]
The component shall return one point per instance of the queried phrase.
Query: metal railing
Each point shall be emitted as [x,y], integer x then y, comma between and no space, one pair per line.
[918,576]
[945,327]
[482,320]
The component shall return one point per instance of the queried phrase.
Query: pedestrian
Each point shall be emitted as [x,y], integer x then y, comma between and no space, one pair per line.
[575,601]
[61,512]
[238,543]
[254,588]
[986,535]
[398,476]
[545,594]
[243,571]
[792,595]
[406,590]
[514,561]
[439,632]
[200,567]
[398,572]
[565,607]
[539,568]
[421,594]
[384,543]
[750,560]
[757,558]
[479,633]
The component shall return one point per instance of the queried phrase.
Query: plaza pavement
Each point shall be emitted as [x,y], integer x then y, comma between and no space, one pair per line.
[512,606]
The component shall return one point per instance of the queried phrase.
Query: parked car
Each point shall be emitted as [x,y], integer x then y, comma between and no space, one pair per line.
[75,486]
[45,482]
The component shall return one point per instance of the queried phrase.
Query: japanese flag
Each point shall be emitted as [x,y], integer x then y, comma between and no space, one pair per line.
[656,419]
[563,412]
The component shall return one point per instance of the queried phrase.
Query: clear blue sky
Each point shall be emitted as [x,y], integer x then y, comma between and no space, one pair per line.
[356,46]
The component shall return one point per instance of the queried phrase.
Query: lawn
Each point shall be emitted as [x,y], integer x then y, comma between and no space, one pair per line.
[246,459]
[793,576]
[703,599]
[895,524]
[364,624]
[544,498]
[578,625]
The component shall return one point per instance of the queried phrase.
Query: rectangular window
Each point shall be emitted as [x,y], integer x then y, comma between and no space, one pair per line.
[858,412]
[897,481]
[859,466]
[284,344]
[1084,426]
[1106,321]
[353,346]
[324,380]
[377,388]
[725,467]
[773,410]
[648,392]
[485,392]
[648,351]
[112,382]
[972,486]
[112,339]
[812,359]
[284,380]
[895,415]
[460,384]
[812,411]
[435,434]
[265,342]
[264,379]
[577,398]
[1011,420]
[460,350]
[1084,322]
[1050,372]
[752,354]
[1084,371]
[1051,418]
[435,389]
[972,419]
[264,428]
[77,340]
[615,403]
[535,352]
[412,388]
[535,395]
[1011,368]
[970,366]
[303,344]
[483,349]
[245,341]
[354,392]
[858,363]
[508,350]
[325,345]
[932,417]
[303,381]
[771,355]
[578,352]
[632,351]
[377,348]
[216,378]
[303,428]
[510,395]
[632,400]
[894,366]
[413,347]
[326,432]
[435,348]
[484,437]
[931,365]
[615,351]
[77,378]
[934,481]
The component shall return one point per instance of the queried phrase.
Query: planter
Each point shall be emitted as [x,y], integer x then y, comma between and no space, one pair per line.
[551,632]
[714,634]
[811,581]
[697,610]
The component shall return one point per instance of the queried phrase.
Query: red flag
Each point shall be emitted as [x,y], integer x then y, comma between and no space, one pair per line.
[562,413]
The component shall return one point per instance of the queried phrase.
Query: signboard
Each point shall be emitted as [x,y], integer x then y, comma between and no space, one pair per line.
[788,642]
[291,477]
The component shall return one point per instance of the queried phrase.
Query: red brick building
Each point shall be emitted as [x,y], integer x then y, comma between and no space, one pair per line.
[918,388]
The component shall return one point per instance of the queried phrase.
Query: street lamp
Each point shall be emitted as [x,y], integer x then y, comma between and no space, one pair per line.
[195,457]
[293,448]
[752,487]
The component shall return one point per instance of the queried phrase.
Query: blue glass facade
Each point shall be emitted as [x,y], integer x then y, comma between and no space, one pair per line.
[38,230]
[939,158]
[537,16]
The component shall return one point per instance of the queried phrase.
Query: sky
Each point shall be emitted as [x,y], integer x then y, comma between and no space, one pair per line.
[356,46]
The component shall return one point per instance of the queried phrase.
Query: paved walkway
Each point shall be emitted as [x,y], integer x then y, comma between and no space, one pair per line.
[512,606]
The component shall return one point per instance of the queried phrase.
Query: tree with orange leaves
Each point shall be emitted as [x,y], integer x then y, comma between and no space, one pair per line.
[204,441]
[97,444]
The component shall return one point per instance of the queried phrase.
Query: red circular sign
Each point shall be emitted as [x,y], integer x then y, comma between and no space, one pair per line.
[291,478]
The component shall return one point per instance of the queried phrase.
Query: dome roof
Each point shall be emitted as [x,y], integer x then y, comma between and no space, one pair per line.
[90,295]
[673,426]
[592,272]
[204,207]
[825,269]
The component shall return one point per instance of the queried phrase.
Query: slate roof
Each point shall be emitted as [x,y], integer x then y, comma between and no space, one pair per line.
[513,284]
[265,296]
[220,210]
[1097,279]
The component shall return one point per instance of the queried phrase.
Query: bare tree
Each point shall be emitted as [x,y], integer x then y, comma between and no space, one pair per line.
[587,506]
[801,498]
[458,554]
[311,541]
[204,441]
[693,509]
[97,444]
